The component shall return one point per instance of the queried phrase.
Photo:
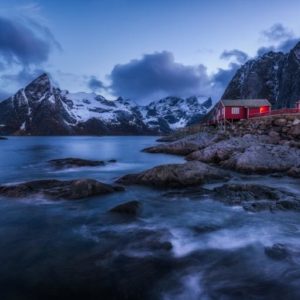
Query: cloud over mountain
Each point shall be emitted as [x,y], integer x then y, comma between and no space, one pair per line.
[24,43]
[25,46]
[158,75]
[282,39]
[95,84]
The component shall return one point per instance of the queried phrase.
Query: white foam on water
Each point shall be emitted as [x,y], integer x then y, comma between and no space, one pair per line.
[85,232]
[190,289]
[106,168]
[185,243]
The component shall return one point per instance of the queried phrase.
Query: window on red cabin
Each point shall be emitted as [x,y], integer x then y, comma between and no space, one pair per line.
[263,109]
[235,110]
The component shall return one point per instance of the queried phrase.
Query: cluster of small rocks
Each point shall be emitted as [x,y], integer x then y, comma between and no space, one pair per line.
[284,127]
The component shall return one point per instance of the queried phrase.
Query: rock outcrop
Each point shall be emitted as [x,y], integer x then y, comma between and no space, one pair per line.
[71,162]
[176,175]
[56,189]
[256,154]
[253,197]
[186,145]
[263,145]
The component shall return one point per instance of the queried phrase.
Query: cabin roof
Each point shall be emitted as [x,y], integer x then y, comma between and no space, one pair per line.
[246,102]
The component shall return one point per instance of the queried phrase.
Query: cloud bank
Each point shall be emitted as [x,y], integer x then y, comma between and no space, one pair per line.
[25,45]
[158,75]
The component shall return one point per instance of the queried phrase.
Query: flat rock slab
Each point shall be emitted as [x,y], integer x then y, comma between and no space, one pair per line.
[186,145]
[56,189]
[71,162]
[176,175]
[253,197]
[251,154]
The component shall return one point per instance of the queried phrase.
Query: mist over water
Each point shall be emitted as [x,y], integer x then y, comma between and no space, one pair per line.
[75,249]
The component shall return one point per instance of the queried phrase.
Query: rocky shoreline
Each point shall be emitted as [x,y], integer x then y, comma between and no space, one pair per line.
[265,145]
[262,146]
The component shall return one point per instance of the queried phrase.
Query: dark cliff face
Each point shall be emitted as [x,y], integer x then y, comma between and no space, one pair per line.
[43,109]
[37,109]
[275,76]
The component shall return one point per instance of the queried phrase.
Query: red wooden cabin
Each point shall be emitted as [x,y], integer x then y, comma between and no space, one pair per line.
[232,110]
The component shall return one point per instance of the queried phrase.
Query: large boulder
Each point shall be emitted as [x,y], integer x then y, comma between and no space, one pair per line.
[264,158]
[56,189]
[176,175]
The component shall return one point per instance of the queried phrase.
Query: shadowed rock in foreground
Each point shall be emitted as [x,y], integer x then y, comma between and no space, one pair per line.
[56,189]
[129,208]
[71,162]
[253,197]
[176,175]
[3,138]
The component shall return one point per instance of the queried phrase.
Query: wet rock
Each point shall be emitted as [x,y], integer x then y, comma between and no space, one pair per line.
[257,206]
[56,189]
[294,172]
[186,145]
[277,252]
[256,198]
[71,162]
[129,208]
[176,175]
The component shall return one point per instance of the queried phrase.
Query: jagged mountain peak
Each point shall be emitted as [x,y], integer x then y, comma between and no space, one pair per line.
[296,51]
[43,80]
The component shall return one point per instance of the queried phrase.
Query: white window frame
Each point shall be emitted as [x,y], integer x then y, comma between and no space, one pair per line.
[235,110]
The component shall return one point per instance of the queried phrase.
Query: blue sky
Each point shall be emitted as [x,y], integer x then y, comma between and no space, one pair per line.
[140,49]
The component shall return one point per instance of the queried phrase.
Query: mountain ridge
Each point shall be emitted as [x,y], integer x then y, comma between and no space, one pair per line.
[41,108]
[274,76]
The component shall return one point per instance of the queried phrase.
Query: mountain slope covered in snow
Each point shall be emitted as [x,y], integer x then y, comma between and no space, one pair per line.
[43,109]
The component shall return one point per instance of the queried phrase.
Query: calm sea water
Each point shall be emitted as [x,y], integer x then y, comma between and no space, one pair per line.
[76,250]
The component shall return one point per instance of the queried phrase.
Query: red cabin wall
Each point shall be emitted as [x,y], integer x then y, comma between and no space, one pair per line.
[253,110]
[230,116]
[259,110]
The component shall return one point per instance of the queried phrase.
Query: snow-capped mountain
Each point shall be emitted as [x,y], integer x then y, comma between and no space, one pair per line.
[173,112]
[43,109]
[275,76]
